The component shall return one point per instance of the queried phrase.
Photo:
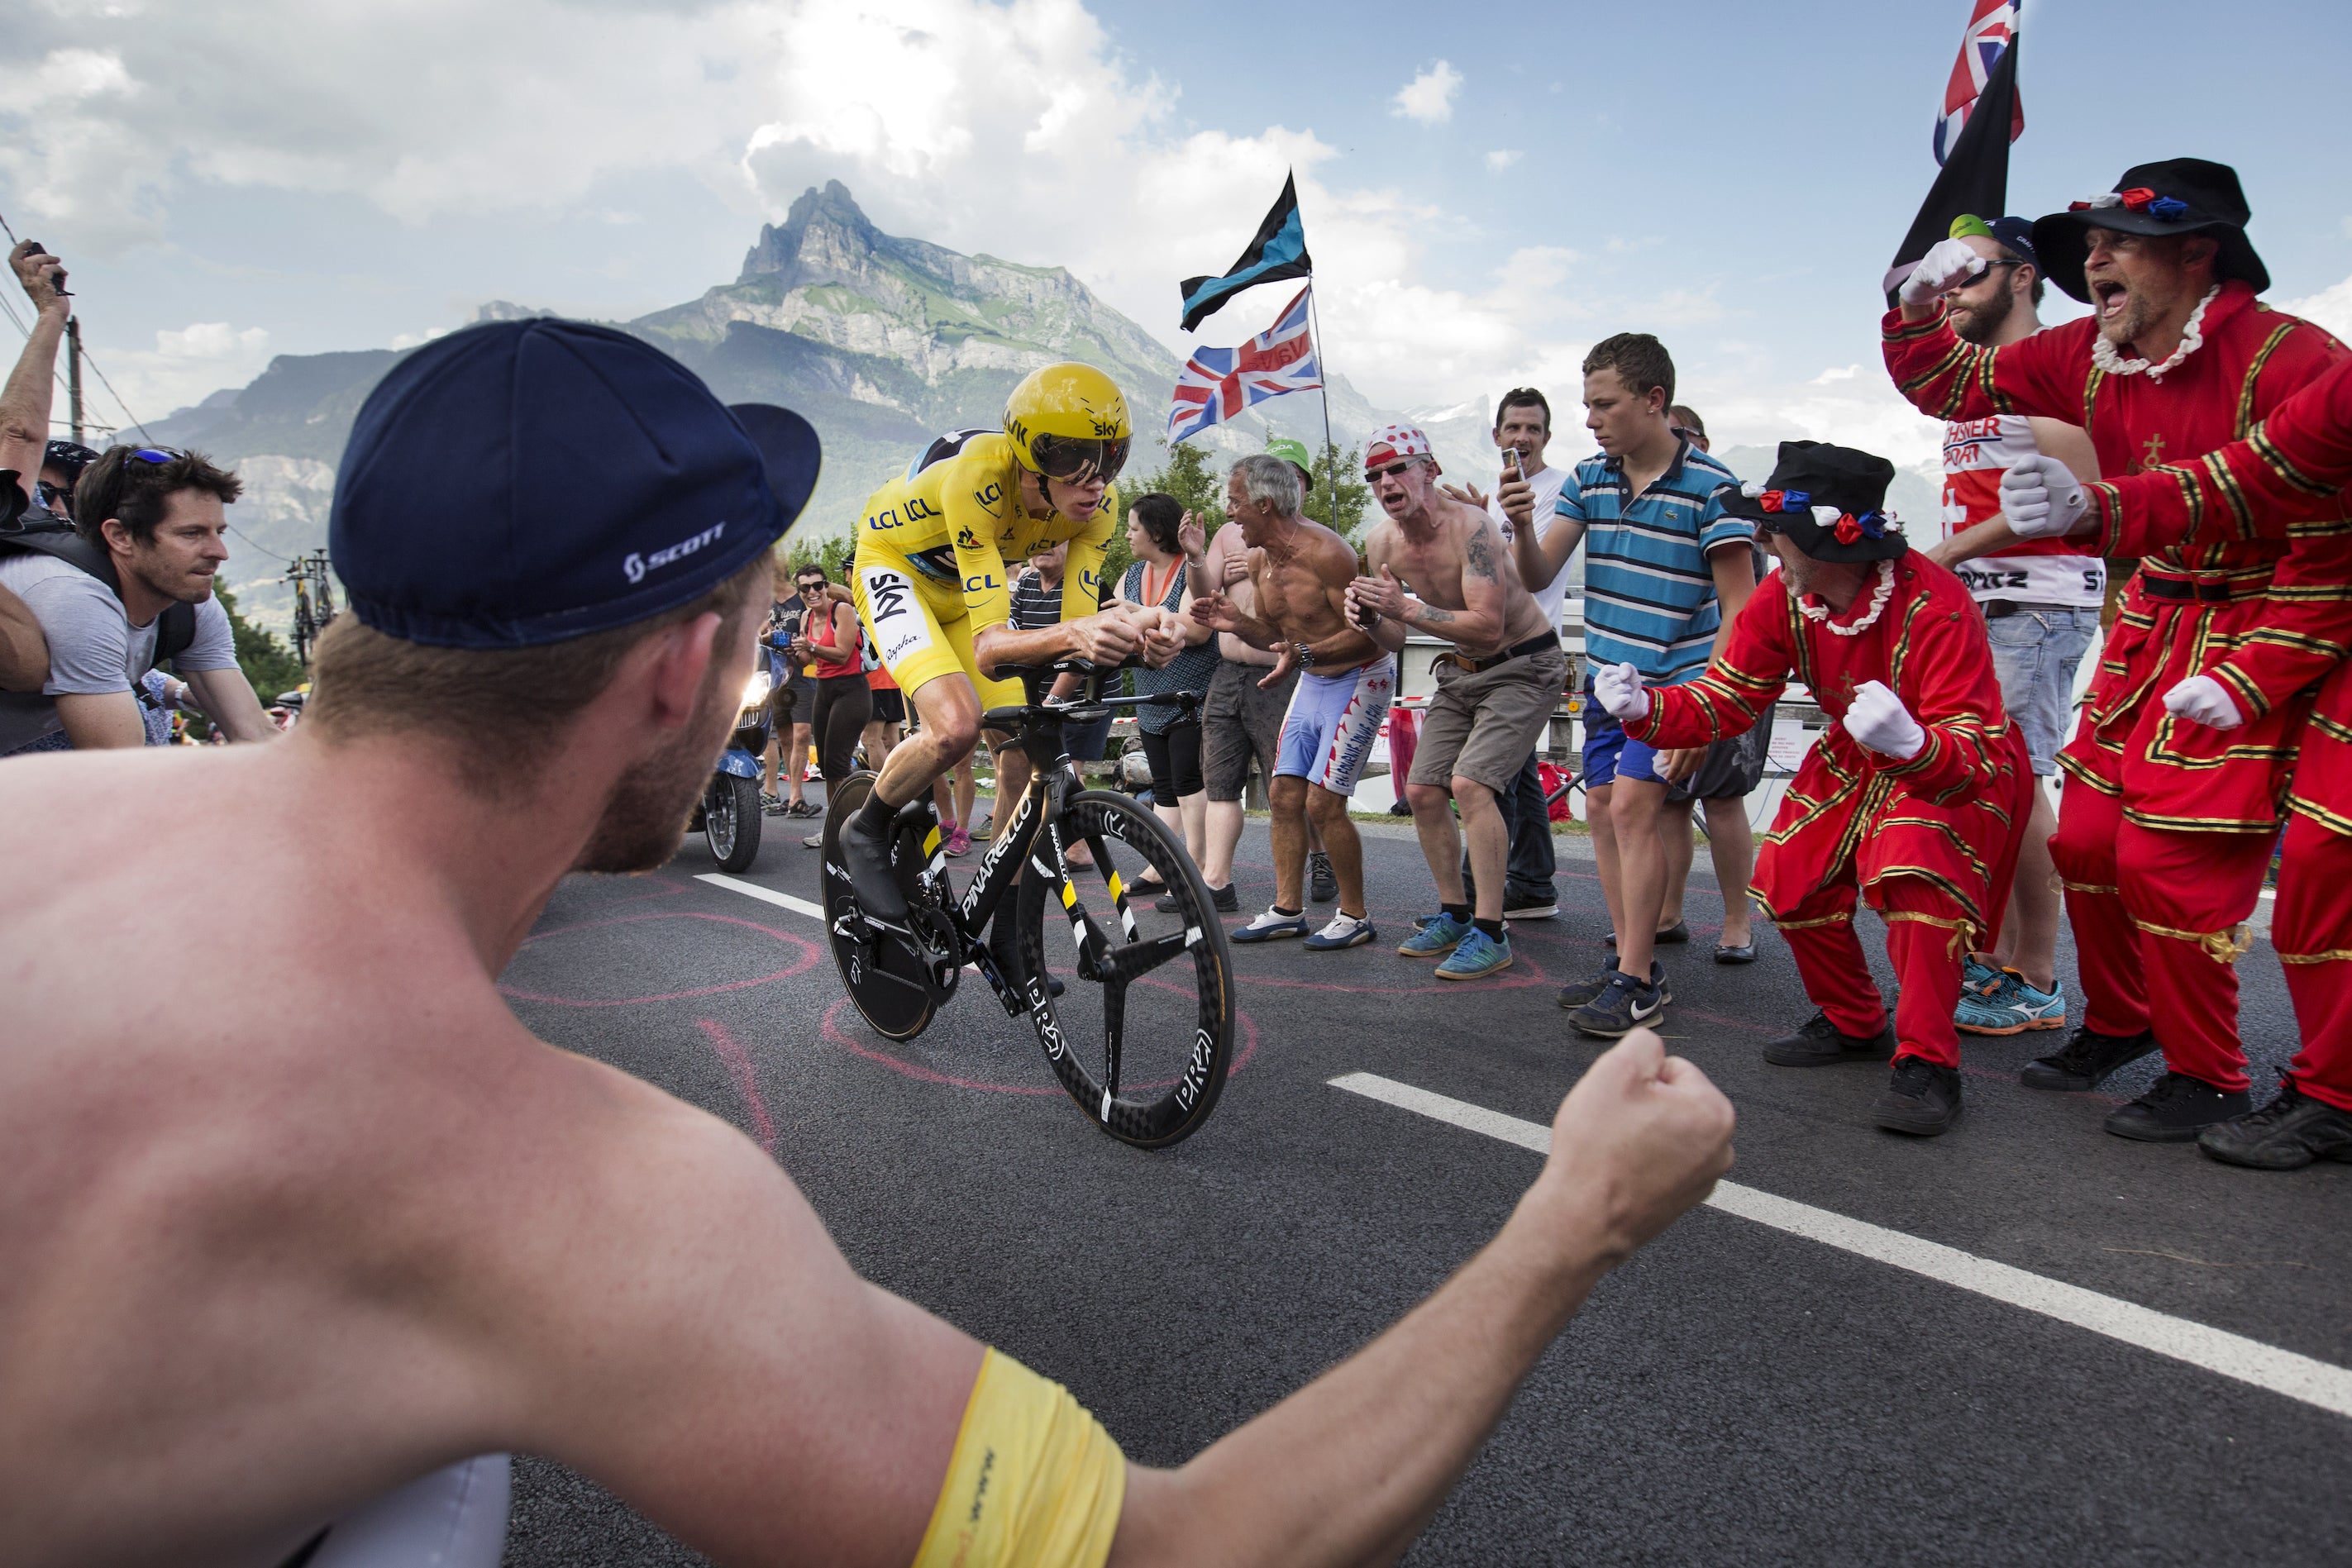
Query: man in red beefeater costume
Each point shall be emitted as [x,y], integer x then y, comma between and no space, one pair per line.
[1916,799]
[2288,470]
[2167,826]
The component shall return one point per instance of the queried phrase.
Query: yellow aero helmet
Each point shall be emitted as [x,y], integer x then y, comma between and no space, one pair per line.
[1067,421]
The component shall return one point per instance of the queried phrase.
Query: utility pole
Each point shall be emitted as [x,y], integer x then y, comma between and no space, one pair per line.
[73,375]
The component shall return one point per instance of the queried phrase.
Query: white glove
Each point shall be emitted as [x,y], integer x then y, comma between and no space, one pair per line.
[2042,498]
[1947,264]
[2201,699]
[1877,718]
[1619,689]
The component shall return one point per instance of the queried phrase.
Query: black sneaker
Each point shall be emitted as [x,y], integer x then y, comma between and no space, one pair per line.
[1821,1043]
[1400,808]
[1623,1006]
[1223,899]
[1534,903]
[865,855]
[1923,1098]
[1321,885]
[2086,1060]
[2286,1134]
[1582,991]
[2176,1109]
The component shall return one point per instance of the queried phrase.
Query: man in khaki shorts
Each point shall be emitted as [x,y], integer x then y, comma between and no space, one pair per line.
[1495,695]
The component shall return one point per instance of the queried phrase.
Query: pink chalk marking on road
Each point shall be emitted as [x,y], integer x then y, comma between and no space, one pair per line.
[806,949]
[739,1067]
[831,1032]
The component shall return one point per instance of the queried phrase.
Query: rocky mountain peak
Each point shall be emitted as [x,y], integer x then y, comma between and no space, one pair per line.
[828,222]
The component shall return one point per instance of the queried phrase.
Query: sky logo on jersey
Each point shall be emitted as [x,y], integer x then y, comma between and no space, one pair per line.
[891,615]
[636,565]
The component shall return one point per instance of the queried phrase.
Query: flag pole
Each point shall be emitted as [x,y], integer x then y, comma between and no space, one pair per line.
[1331,448]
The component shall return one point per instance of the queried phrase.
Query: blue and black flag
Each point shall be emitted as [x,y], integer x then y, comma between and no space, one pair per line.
[1279,251]
[1975,175]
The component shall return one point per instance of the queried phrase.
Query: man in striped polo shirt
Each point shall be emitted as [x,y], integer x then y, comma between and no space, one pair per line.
[1665,567]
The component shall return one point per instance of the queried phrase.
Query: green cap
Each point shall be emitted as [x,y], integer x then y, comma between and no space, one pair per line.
[1294,452]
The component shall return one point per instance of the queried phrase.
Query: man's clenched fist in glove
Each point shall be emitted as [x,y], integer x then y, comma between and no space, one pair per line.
[1878,719]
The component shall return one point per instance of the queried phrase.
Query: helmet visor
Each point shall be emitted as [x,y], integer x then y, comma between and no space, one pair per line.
[1075,459]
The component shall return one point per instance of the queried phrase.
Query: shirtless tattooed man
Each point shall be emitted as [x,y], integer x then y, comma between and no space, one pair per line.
[299,1246]
[1299,572]
[1496,692]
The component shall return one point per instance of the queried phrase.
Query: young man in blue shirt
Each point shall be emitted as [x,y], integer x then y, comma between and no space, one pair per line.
[1666,568]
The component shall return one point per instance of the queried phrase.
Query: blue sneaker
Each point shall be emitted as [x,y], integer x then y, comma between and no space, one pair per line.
[2013,1008]
[1623,1006]
[1269,927]
[1345,931]
[1437,935]
[1476,957]
[1979,979]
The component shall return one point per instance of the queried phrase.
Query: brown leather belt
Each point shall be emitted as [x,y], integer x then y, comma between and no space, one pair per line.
[2181,591]
[1516,651]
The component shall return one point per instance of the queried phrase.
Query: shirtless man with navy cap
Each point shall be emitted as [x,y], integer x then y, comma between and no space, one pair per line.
[298,1248]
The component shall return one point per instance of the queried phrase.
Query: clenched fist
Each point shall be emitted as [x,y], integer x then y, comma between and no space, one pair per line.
[1877,719]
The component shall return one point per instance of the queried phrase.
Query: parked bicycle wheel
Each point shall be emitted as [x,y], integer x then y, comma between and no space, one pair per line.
[887,979]
[1154,987]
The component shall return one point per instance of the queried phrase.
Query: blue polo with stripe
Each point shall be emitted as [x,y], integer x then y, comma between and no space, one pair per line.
[1649,598]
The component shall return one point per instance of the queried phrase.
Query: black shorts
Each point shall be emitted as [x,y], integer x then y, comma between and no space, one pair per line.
[1732,768]
[889,705]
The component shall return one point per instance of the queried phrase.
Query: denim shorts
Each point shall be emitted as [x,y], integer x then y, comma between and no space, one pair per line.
[2034,655]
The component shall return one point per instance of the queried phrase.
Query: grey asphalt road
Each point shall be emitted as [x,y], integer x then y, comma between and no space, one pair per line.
[1733,1394]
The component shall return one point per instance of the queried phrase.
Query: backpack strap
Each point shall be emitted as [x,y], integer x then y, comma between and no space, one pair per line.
[174,631]
[176,628]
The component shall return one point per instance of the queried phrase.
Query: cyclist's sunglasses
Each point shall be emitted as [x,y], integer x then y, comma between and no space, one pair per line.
[1075,459]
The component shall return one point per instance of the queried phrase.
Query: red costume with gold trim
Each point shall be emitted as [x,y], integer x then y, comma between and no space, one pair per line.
[1931,842]
[2163,842]
[2288,469]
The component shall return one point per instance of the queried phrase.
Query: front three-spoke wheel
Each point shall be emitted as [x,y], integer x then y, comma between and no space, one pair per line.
[1152,985]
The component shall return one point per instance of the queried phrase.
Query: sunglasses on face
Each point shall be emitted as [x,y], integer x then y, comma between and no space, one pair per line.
[1394,471]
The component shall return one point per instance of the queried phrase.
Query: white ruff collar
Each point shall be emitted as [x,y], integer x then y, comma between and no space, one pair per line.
[2192,338]
[1819,614]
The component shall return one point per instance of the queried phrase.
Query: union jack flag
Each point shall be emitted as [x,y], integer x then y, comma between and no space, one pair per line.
[1219,384]
[1990,28]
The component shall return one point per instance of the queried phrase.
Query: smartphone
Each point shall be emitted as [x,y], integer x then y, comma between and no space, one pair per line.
[1511,469]
[40,249]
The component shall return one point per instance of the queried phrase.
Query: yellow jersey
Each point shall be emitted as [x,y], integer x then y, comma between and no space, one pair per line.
[957,521]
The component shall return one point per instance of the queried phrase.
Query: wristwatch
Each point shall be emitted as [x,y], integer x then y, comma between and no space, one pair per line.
[1306,655]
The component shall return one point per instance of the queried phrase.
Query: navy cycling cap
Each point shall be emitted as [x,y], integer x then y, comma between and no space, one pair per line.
[524,483]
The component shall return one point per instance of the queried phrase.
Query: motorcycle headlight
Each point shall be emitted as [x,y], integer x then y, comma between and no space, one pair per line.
[756,689]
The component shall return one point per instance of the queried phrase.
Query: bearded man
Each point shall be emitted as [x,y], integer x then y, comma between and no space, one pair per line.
[1913,800]
[2163,840]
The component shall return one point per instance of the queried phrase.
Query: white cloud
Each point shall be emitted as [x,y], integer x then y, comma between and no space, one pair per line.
[1429,96]
[186,364]
[1503,158]
[2331,308]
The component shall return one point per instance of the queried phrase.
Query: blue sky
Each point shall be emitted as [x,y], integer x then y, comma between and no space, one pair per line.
[257,176]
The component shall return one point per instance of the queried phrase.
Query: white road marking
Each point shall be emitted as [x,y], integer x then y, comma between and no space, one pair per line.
[2299,1378]
[753,890]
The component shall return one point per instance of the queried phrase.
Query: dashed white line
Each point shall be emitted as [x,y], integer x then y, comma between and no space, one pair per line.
[753,890]
[2299,1378]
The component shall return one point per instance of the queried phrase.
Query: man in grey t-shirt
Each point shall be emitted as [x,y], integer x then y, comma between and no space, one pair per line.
[159,517]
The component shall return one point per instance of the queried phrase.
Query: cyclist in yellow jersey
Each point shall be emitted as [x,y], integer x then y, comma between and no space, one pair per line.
[933,584]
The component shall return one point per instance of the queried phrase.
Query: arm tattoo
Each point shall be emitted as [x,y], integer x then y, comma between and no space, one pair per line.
[1430,615]
[1478,556]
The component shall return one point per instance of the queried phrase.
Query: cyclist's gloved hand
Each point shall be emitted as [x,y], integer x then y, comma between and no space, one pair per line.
[1619,689]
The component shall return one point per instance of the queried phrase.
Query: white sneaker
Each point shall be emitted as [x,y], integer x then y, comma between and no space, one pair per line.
[1345,931]
[1270,926]
[814,840]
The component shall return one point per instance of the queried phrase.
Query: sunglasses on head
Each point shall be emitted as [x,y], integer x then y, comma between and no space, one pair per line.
[158,454]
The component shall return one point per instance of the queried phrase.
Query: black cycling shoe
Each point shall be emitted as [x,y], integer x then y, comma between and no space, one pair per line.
[865,855]
[2176,1109]
[1923,1098]
[1321,885]
[1005,948]
[2086,1060]
[2286,1134]
[1821,1043]
[1577,993]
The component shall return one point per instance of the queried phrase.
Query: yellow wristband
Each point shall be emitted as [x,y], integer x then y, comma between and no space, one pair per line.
[1034,1481]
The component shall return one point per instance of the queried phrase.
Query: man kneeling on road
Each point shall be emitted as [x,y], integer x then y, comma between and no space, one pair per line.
[1494,697]
[325,1218]
[1298,573]
[1915,799]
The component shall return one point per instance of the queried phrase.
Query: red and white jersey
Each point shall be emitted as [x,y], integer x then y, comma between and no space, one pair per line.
[2030,571]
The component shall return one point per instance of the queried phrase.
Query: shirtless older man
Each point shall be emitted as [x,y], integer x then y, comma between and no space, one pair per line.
[323,1218]
[1299,572]
[1495,692]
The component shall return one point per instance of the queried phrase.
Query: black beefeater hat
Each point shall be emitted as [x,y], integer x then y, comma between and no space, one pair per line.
[1830,501]
[2178,196]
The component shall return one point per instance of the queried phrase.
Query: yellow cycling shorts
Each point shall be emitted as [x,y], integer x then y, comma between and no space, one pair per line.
[921,628]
